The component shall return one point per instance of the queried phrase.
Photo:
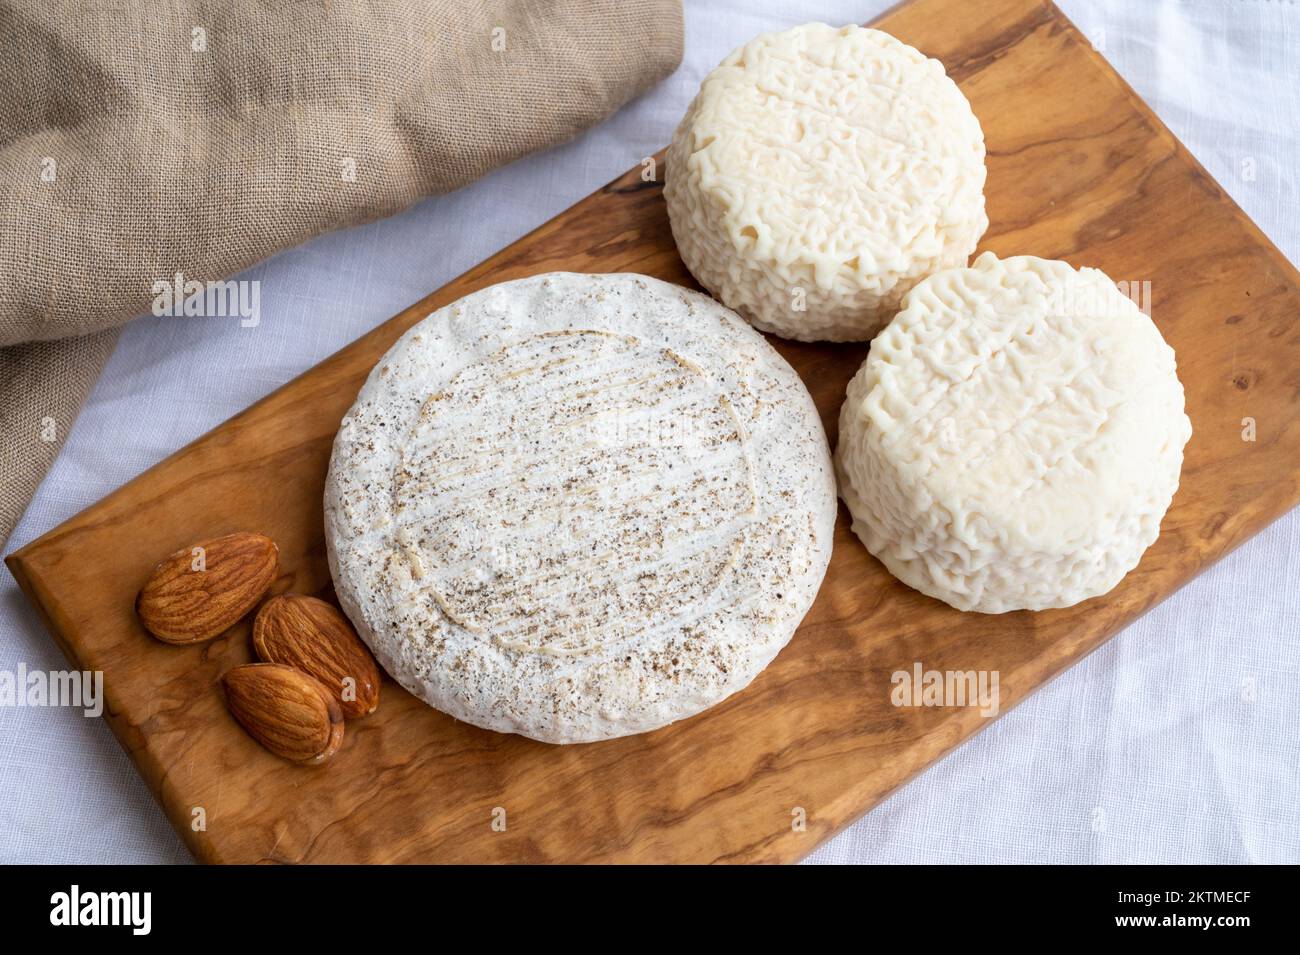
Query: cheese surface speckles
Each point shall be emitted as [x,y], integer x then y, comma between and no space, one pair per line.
[1014,437]
[577,507]
[819,174]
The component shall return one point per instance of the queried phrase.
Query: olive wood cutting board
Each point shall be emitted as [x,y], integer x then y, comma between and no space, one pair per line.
[1079,168]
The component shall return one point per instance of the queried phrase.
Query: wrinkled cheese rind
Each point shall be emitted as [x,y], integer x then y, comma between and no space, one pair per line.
[819,174]
[1015,436]
[577,507]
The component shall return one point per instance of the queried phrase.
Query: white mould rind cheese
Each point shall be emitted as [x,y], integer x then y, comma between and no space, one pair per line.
[1015,436]
[819,174]
[577,507]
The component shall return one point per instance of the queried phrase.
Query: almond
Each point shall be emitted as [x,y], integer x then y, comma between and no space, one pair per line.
[315,637]
[201,591]
[285,710]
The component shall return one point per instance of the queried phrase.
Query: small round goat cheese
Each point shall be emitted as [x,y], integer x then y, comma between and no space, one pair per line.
[1015,436]
[577,507]
[819,174]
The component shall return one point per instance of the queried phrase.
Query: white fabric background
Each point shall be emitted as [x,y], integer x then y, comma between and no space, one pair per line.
[1152,750]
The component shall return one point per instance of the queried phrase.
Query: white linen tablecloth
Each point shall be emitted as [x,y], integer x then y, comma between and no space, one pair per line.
[1177,742]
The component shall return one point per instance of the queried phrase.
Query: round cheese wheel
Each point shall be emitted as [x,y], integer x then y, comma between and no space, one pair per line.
[819,174]
[1014,437]
[576,507]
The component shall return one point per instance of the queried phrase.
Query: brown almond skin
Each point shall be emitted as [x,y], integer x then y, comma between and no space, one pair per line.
[314,637]
[179,605]
[285,710]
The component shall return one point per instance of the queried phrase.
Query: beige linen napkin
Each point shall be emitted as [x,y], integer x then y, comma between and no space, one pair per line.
[144,138]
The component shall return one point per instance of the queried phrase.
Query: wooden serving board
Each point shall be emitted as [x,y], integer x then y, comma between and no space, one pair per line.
[1079,169]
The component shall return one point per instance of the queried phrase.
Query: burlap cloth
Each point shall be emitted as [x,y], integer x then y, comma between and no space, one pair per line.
[142,138]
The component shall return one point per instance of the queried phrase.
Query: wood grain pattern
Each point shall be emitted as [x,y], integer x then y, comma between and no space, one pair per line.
[1079,169]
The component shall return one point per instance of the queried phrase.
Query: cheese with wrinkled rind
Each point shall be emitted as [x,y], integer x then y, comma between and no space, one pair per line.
[1014,437]
[819,174]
